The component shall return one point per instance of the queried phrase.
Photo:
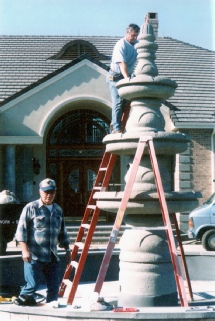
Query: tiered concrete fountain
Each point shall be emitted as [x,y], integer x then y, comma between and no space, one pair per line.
[146,272]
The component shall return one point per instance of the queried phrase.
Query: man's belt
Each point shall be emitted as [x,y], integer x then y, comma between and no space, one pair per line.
[114,76]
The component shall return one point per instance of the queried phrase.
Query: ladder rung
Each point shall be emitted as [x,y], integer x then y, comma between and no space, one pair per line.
[74,264]
[103,169]
[92,207]
[67,282]
[80,245]
[97,188]
[87,226]
[157,228]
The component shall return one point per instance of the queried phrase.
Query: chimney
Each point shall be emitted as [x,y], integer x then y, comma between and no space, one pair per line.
[152,19]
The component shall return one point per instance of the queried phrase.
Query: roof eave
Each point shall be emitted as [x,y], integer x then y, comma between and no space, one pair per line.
[188,125]
[53,74]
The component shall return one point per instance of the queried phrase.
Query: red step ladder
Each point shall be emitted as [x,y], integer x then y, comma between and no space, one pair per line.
[89,222]
[165,215]
[91,216]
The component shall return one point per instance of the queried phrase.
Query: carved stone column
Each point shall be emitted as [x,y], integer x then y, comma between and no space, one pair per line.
[146,272]
[10,168]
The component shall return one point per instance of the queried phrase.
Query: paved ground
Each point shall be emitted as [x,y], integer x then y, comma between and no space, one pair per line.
[203,290]
[202,307]
[189,246]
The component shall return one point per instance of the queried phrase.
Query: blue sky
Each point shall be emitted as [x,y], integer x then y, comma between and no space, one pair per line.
[190,21]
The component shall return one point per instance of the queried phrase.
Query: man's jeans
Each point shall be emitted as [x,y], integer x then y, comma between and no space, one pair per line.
[118,105]
[34,271]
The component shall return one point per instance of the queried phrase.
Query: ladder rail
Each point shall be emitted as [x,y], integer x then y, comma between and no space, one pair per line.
[183,257]
[167,222]
[101,183]
[82,260]
[119,217]
[108,161]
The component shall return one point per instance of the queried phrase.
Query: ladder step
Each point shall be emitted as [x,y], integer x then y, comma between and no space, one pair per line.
[92,207]
[67,282]
[67,286]
[99,188]
[103,169]
[157,228]
[74,264]
[87,226]
[80,245]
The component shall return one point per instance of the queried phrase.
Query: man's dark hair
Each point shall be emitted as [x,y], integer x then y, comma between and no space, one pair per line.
[134,27]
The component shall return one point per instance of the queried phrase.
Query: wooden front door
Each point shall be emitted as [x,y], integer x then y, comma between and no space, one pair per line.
[74,153]
[76,183]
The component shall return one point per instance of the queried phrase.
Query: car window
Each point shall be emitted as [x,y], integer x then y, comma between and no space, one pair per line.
[211,199]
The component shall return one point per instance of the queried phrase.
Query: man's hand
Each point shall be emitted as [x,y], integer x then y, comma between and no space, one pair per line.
[124,70]
[26,256]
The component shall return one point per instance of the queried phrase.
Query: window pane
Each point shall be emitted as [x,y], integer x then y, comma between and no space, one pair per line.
[74,180]
[80,127]
[91,176]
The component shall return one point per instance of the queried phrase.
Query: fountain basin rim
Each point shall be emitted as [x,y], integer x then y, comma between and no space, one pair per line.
[153,196]
[135,136]
[164,143]
[145,80]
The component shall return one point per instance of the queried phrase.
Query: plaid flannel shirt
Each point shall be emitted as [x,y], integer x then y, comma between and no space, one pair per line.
[42,230]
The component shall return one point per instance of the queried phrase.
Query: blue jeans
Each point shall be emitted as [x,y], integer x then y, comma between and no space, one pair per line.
[34,271]
[118,104]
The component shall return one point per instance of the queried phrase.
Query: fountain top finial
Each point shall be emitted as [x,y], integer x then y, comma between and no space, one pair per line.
[147,28]
[146,31]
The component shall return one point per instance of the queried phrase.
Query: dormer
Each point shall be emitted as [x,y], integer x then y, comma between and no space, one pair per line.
[75,48]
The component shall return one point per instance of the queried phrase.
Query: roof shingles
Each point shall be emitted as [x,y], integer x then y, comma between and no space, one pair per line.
[25,62]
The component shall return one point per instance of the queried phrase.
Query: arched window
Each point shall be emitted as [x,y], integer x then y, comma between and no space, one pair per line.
[78,134]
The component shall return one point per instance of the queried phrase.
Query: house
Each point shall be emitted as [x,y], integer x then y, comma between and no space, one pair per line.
[55,109]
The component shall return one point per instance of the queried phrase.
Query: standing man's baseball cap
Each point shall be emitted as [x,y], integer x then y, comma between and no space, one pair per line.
[47,184]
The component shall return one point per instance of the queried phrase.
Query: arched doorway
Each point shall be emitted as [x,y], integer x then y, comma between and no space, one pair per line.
[74,153]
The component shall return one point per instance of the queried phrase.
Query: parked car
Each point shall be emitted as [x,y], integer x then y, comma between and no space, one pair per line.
[202,224]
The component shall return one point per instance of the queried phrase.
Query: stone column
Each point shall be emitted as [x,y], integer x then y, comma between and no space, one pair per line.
[146,271]
[27,170]
[1,168]
[10,168]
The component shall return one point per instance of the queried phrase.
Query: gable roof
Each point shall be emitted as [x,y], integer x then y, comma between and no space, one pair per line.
[26,61]
[193,68]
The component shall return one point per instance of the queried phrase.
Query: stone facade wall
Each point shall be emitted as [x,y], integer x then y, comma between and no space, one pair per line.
[201,161]
[195,167]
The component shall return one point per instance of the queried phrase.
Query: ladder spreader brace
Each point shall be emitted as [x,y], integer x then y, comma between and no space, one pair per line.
[119,218]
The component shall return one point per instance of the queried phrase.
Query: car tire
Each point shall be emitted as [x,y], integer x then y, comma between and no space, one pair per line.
[208,240]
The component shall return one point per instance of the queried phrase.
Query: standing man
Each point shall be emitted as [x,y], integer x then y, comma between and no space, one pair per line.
[122,66]
[40,229]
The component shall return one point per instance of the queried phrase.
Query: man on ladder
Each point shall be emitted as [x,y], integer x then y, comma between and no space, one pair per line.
[122,66]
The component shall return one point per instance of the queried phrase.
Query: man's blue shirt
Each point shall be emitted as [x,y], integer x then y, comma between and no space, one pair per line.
[124,52]
[42,230]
